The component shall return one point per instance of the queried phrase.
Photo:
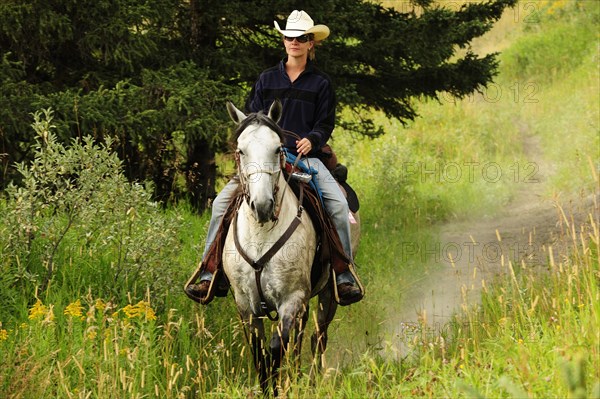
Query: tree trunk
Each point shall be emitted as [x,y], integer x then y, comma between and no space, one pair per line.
[201,171]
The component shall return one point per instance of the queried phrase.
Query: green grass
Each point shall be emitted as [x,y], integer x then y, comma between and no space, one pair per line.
[533,335]
[532,325]
[558,74]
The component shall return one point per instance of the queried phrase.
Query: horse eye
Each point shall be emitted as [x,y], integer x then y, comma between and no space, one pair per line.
[240,151]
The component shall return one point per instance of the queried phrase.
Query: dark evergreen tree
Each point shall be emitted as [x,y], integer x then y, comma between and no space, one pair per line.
[156,73]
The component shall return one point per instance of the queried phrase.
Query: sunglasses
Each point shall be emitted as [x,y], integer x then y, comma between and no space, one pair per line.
[300,39]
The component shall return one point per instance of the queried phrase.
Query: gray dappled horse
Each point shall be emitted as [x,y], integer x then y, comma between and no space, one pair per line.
[270,248]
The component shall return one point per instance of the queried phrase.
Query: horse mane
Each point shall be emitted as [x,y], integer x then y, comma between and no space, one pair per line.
[258,118]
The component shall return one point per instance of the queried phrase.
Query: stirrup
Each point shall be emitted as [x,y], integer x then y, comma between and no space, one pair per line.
[336,295]
[193,293]
[214,289]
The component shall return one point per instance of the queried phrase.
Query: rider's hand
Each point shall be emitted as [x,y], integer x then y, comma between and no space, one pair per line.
[303,146]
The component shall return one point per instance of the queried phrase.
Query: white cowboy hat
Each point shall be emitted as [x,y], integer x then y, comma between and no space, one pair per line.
[300,23]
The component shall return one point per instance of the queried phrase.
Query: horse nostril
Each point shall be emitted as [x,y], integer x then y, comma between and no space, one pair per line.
[263,210]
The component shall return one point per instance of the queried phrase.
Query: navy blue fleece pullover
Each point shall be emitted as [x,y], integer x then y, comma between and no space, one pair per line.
[308,102]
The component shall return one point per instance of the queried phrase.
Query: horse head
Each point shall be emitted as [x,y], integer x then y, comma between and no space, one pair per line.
[258,157]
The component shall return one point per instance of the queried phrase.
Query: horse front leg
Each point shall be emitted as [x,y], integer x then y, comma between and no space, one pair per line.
[300,334]
[289,315]
[259,351]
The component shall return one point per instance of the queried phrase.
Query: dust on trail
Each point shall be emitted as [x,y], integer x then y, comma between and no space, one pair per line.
[469,254]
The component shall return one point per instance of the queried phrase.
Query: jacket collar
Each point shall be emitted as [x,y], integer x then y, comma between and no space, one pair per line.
[310,67]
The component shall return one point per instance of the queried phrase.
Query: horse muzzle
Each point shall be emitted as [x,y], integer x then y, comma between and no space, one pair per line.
[264,211]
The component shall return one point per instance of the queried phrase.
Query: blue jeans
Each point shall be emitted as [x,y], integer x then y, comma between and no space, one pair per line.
[333,198]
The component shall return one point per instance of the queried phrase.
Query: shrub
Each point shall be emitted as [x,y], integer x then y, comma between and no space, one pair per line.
[76,217]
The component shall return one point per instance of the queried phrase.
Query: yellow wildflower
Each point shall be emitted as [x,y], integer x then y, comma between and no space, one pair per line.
[38,311]
[75,310]
[130,311]
[148,311]
[557,5]
[91,334]
[139,310]
[100,305]
[3,335]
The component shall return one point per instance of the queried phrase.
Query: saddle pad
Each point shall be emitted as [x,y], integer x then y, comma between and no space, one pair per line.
[351,197]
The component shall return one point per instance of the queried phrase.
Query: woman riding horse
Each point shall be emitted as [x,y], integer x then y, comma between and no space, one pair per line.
[308,102]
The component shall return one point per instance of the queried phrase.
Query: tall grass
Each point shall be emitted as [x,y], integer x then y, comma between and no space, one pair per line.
[532,324]
[533,335]
[108,350]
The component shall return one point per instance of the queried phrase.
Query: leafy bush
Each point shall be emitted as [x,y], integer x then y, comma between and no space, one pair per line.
[76,218]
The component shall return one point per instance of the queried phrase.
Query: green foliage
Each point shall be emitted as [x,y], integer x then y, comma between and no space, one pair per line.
[401,54]
[76,198]
[159,125]
[574,375]
[556,68]
[156,74]
[548,55]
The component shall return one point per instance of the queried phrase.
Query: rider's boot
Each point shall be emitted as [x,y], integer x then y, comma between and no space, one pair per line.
[199,291]
[210,272]
[206,283]
[348,289]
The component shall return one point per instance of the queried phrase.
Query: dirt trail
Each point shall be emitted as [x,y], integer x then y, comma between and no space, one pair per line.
[470,253]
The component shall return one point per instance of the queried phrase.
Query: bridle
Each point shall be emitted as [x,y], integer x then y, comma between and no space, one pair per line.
[244,177]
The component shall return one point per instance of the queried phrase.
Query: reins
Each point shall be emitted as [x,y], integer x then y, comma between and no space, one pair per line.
[287,183]
[278,209]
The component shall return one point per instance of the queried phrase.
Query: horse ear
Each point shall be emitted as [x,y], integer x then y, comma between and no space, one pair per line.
[275,111]
[235,114]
